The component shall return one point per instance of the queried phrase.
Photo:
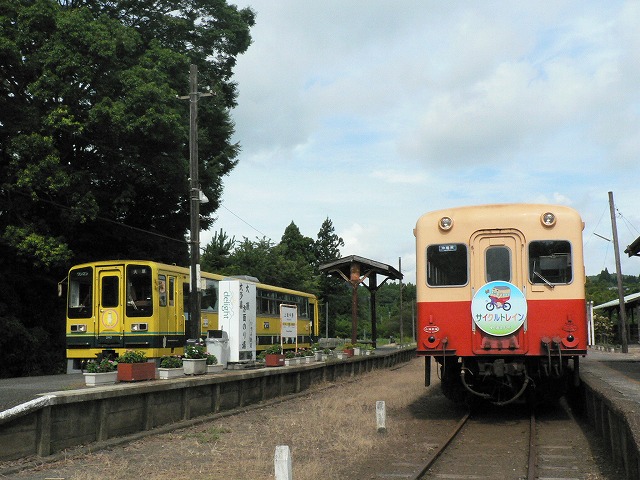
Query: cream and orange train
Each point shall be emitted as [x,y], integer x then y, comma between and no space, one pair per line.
[113,306]
[501,300]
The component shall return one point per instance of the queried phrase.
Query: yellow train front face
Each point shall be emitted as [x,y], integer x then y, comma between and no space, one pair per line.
[130,305]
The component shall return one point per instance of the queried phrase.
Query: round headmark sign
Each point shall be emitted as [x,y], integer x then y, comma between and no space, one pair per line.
[499,308]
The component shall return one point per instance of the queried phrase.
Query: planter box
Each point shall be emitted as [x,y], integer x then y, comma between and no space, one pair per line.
[274,360]
[167,373]
[135,372]
[97,379]
[215,368]
[194,366]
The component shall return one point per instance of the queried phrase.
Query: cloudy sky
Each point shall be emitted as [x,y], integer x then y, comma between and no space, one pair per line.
[374,112]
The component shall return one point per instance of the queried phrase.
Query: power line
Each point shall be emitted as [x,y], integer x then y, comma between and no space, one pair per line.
[104,219]
[244,221]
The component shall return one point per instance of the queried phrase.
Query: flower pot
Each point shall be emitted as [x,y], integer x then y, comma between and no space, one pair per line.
[348,352]
[324,357]
[318,356]
[194,366]
[167,373]
[135,372]
[215,368]
[356,351]
[274,360]
[97,379]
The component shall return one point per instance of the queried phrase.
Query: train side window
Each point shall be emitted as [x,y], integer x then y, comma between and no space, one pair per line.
[497,264]
[162,290]
[550,262]
[80,293]
[447,265]
[139,291]
[172,291]
[209,300]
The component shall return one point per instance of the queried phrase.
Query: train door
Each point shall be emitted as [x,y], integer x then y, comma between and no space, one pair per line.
[168,312]
[499,305]
[109,331]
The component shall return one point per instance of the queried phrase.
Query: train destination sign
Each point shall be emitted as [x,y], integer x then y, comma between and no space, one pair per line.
[499,308]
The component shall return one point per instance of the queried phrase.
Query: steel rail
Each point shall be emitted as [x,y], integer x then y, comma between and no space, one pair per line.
[441,448]
[533,451]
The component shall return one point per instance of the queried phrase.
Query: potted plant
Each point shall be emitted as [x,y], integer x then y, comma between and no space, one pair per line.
[273,356]
[325,354]
[348,349]
[357,349]
[289,358]
[308,355]
[212,364]
[101,372]
[170,367]
[133,366]
[195,360]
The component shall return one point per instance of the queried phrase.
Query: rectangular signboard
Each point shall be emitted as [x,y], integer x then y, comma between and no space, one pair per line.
[237,317]
[289,323]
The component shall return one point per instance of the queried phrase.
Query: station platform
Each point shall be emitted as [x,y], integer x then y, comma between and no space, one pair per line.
[611,402]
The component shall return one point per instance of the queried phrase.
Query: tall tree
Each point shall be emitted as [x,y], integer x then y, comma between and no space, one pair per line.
[94,143]
[216,255]
[92,130]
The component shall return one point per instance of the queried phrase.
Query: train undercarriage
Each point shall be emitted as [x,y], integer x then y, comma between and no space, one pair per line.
[504,380]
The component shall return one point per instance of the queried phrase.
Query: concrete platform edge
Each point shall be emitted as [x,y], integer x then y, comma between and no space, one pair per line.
[613,415]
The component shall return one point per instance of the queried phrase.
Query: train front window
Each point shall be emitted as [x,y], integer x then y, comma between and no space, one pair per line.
[139,291]
[79,303]
[447,265]
[550,262]
[497,261]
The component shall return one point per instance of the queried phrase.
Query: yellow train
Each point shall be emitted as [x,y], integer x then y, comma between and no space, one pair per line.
[113,306]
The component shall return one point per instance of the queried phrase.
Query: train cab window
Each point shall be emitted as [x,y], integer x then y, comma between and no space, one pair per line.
[497,261]
[447,265]
[550,262]
[139,291]
[80,293]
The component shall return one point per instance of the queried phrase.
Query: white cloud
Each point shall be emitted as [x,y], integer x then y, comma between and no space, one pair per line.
[372,114]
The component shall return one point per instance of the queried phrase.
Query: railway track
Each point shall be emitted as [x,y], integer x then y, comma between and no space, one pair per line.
[511,444]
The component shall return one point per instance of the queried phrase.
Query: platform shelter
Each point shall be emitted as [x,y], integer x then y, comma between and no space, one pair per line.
[355,271]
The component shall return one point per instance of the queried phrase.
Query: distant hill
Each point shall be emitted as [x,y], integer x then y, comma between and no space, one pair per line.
[604,287]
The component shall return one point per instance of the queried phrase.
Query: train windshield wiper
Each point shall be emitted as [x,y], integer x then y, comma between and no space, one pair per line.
[547,282]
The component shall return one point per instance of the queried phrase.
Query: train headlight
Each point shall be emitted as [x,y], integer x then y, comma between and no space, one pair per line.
[548,219]
[139,327]
[445,223]
[79,328]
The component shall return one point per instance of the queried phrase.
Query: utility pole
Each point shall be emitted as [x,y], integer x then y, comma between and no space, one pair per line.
[622,317]
[401,321]
[192,329]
